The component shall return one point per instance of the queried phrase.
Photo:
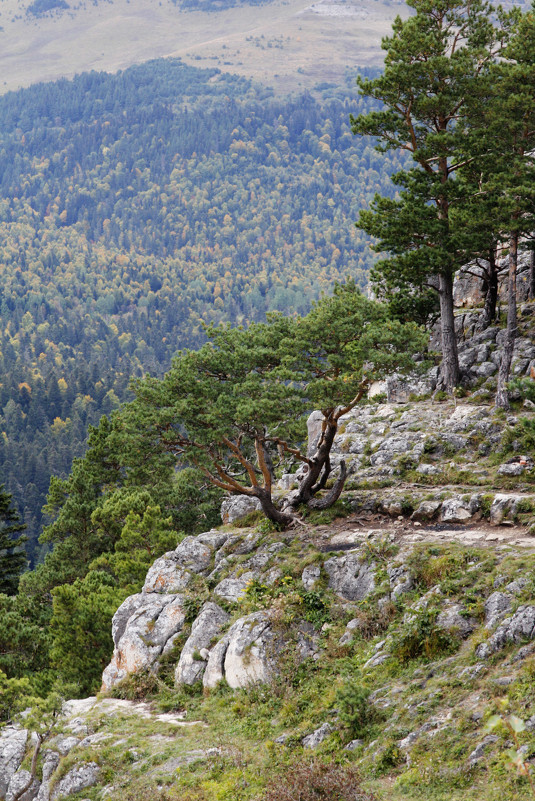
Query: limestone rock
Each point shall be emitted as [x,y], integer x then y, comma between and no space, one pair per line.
[310,576]
[511,469]
[400,580]
[519,627]
[165,575]
[452,619]
[232,589]
[215,666]
[427,510]
[193,554]
[317,737]
[18,781]
[78,778]
[503,507]
[455,510]
[314,424]
[496,607]
[249,654]
[145,636]
[128,607]
[206,627]
[214,538]
[50,763]
[479,750]
[349,577]
[238,506]
[63,745]
[348,634]
[12,747]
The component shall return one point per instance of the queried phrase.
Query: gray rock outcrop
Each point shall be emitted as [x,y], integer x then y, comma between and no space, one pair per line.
[349,577]
[77,779]
[195,653]
[237,507]
[13,741]
[155,621]
[518,628]
[20,780]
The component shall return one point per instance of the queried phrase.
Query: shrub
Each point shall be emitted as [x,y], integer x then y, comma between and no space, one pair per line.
[315,781]
[356,711]
[421,636]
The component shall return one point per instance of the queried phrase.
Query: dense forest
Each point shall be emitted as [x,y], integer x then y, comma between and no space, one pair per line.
[136,207]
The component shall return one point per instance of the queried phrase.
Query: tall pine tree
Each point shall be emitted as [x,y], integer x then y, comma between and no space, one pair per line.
[433,65]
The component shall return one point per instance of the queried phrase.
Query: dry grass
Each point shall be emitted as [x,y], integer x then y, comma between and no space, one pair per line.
[284,44]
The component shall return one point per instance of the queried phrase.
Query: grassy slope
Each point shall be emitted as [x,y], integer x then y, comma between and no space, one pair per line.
[283,44]
[145,758]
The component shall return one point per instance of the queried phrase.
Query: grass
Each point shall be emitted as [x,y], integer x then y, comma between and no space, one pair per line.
[315,48]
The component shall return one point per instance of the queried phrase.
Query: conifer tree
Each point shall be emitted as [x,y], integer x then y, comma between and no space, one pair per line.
[12,552]
[509,163]
[433,65]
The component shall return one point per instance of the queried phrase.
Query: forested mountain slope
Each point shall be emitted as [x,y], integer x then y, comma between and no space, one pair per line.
[135,207]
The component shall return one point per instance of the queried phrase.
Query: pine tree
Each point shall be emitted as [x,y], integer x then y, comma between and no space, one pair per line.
[433,65]
[12,552]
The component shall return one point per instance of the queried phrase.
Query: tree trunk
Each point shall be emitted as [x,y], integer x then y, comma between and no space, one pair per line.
[450,373]
[33,769]
[332,496]
[491,294]
[269,508]
[314,480]
[502,398]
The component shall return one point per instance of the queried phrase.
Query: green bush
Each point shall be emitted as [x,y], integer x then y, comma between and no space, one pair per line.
[356,711]
[422,637]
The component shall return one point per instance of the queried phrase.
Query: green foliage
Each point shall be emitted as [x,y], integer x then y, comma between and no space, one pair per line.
[420,636]
[357,713]
[144,537]
[12,553]
[168,197]
[13,694]
[81,629]
[238,405]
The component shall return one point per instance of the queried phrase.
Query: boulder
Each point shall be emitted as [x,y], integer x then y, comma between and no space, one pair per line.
[496,607]
[349,577]
[207,626]
[249,653]
[166,575]
[12,748]
[237,507]
[349,633]
[310,576]
[78,778]
[317,737]
[503,507]
[232,589]
[454,619]
[18,782]
[518,628]
[427,510]
[145,636]
[455,510]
